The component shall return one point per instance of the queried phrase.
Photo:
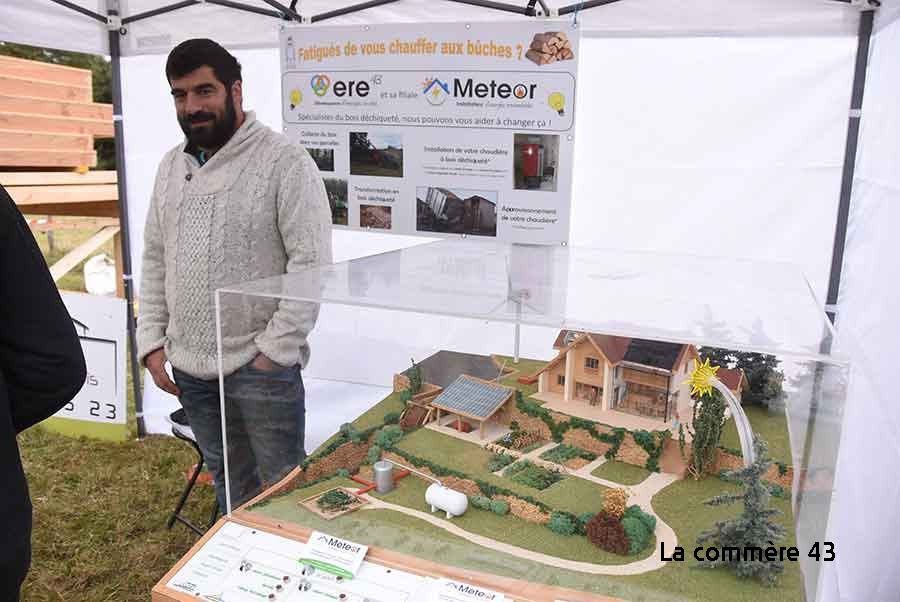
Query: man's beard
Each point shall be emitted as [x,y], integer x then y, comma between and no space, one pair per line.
[214,134]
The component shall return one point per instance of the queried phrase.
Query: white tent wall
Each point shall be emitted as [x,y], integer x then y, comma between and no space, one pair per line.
[866,519]
[713,146]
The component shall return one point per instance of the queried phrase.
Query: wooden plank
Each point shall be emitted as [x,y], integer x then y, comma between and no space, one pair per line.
[56,125]
[81,252]
[55,108]
[36,195]
[56,178]
[51,225]
[29,157]
[20,86]
[43,140]
[95,209]
[60,74]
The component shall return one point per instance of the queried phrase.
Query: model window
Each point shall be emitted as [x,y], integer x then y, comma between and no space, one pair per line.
[561,380]
[591,363]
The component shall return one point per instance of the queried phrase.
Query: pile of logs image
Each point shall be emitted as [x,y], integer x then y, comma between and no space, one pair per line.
[550,47]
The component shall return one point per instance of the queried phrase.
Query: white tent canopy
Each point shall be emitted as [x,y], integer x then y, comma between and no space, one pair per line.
[63,28]
[743,118]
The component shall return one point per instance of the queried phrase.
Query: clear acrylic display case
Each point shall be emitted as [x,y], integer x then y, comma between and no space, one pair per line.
[493,306]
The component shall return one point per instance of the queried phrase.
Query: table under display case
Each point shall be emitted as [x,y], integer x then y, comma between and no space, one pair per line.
[527,428]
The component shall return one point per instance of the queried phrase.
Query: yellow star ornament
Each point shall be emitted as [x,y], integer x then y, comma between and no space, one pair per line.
[700,376]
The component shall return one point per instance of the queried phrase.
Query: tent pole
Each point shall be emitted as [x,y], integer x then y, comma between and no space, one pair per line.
[115,60]
[840,232]
[578,6]
[495,5]
[80,9]
[159,11]
[349,9]
[247,8]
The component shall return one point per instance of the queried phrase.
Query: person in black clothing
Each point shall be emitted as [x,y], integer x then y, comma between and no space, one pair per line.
[41,369]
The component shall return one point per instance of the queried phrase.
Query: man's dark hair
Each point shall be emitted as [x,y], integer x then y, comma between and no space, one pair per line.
[200,52]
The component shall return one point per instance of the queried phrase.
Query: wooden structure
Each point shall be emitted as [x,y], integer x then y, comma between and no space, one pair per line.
[48,123]
[475,400]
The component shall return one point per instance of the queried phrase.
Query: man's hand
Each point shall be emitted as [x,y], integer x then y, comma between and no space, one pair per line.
[156,364]
[262,363]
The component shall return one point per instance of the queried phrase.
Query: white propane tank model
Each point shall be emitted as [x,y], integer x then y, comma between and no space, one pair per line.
[443,498]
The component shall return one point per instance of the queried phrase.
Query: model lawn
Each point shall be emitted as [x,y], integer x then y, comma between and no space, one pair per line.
[541,509]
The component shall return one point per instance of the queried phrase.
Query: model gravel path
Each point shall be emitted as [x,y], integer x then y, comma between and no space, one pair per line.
[640,494]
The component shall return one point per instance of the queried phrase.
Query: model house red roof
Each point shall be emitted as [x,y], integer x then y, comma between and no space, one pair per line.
[731,377]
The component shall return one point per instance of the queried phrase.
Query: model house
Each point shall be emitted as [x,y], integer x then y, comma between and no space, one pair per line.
[735,380]
[636,376]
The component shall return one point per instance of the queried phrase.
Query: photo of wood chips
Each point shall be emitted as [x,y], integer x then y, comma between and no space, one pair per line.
[333,503]
[550,47]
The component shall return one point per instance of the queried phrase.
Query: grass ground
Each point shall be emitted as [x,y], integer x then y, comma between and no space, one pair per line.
[621,472]
[572,493]
[771,427]
[524,367]
[681,505]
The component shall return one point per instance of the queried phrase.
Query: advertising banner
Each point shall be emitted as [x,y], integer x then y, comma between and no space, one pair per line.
[466,130]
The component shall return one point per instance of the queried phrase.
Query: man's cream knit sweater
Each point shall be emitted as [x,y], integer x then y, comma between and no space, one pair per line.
[257,208]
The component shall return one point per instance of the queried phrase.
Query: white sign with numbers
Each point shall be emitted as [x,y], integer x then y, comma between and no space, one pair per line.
[100,324]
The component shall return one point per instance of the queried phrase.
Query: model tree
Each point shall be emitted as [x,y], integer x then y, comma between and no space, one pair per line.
[415,377]
[761,370]
[753,529]
[706,430]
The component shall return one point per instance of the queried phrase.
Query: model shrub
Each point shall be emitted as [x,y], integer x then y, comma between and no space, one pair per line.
[563,453]
[480,501]
[563,523]
[405,395]
[614,502]
[637,534]
[499,462]
[389,436]
[606,532]
[499,507]
[779,491]
[653,444]
[638,513]
[374,455]
[343,473]
[531,475]
[392,418]
[614,439]
[583,520]
[782,468]
[335,500]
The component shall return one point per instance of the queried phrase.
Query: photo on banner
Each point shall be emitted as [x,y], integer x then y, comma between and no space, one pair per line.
[466,131]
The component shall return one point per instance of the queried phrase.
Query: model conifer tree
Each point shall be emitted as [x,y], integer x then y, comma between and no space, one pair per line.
[753,530]
[706,430]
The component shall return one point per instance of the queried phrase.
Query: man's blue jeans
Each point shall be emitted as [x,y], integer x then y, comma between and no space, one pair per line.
[265,420]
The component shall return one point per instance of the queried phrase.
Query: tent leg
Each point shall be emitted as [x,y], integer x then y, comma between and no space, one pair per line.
[840,232]
[115,59]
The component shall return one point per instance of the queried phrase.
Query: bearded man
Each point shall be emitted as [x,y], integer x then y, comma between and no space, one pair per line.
[235,202]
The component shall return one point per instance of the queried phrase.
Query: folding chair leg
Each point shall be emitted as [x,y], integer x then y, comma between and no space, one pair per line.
[214,515]
[176,514]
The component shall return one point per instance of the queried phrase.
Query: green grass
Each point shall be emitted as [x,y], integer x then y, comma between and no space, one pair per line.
[375,415]
[99,515]
[411,493]
[572,493]
[524,367]
[681,505]
[772,428]
[621,472]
